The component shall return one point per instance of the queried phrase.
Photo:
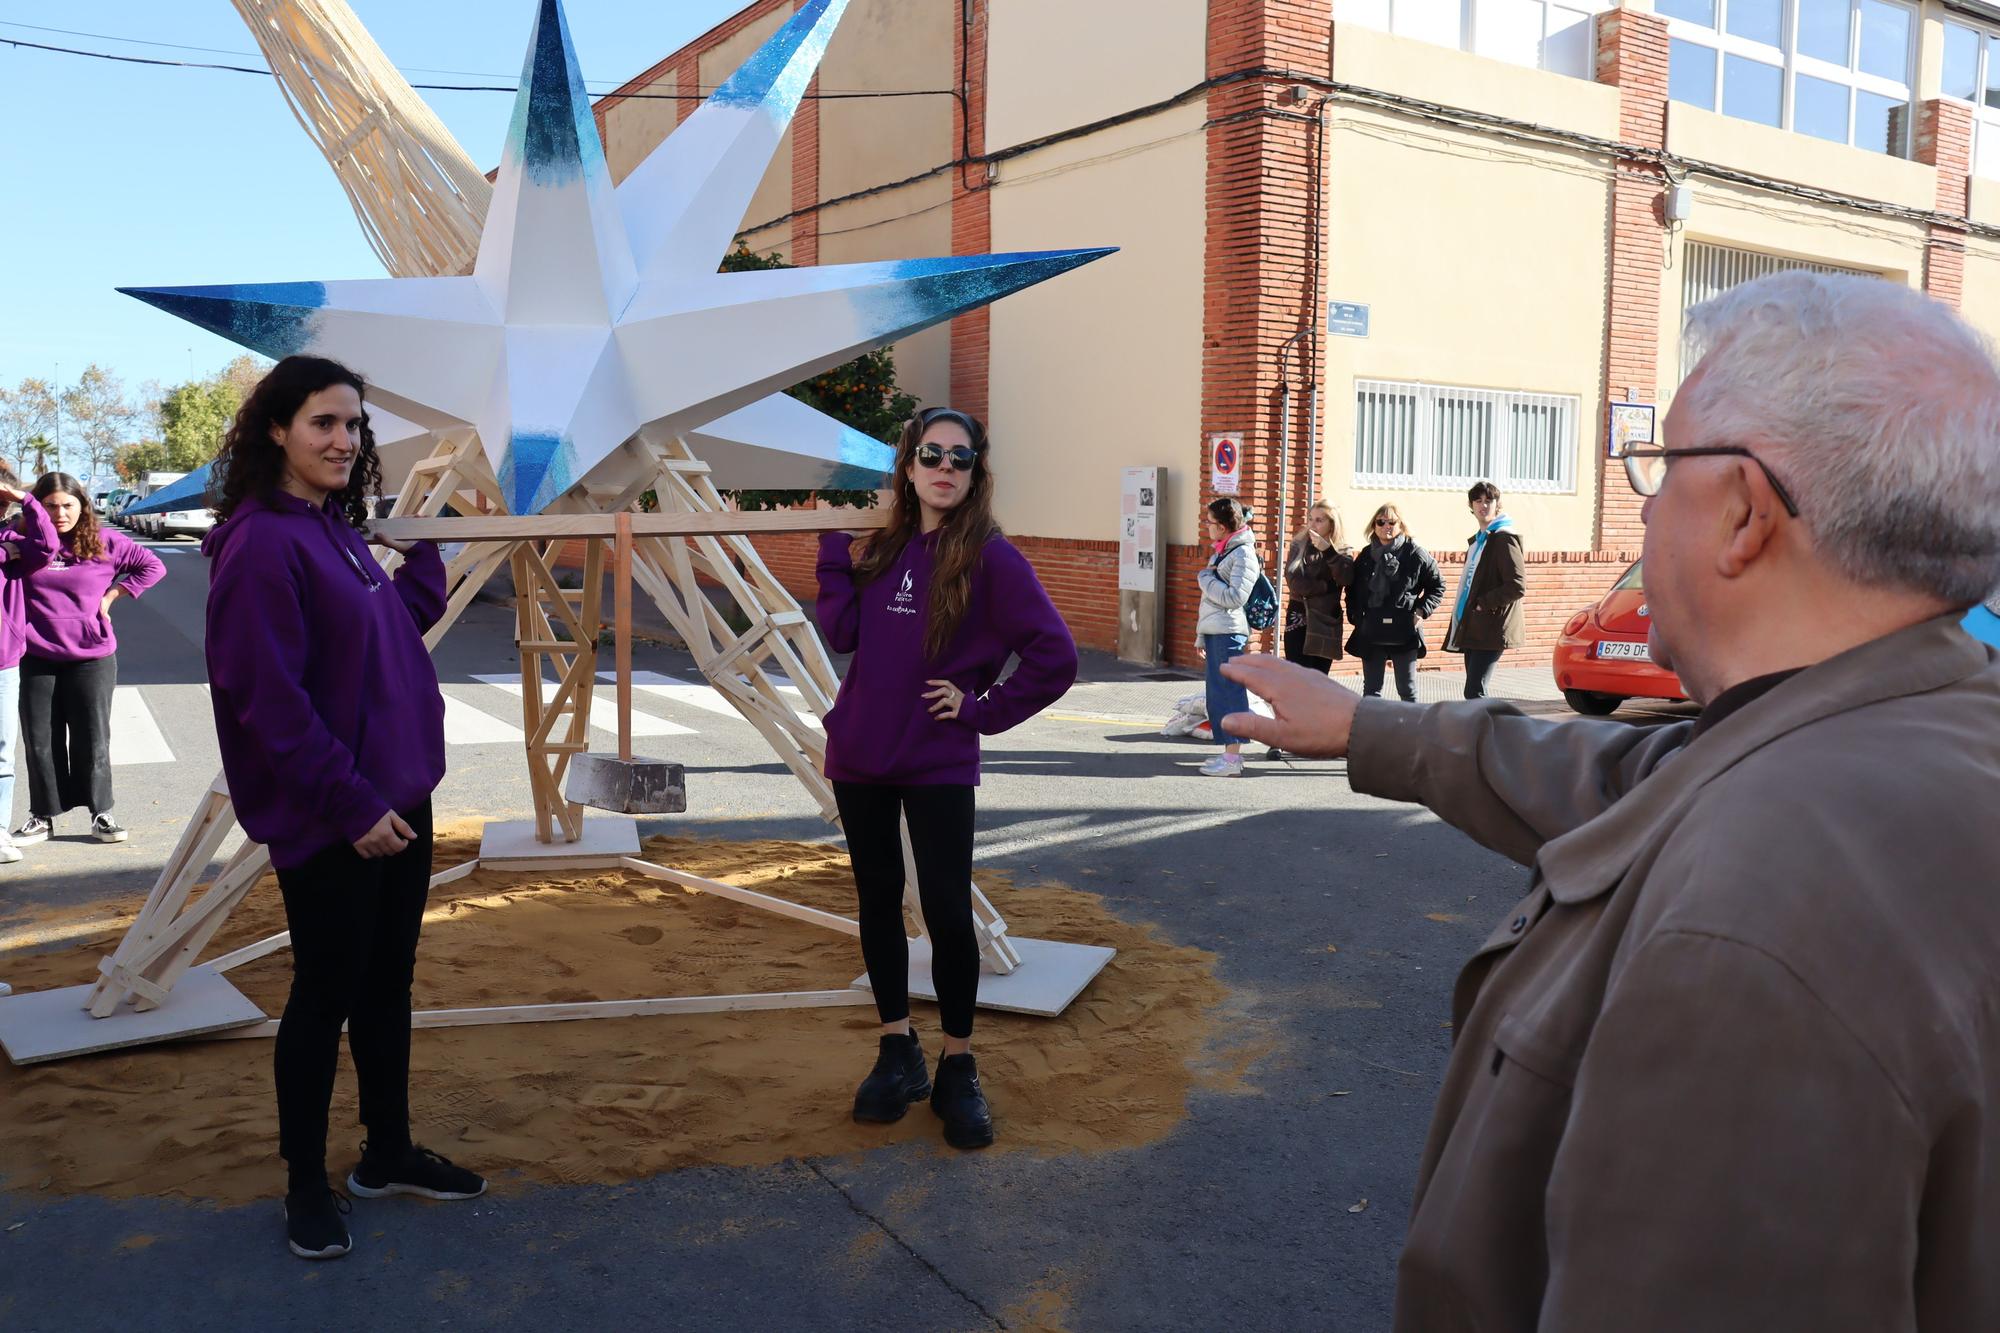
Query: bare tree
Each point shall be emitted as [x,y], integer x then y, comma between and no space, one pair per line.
[28,413]
[102,416]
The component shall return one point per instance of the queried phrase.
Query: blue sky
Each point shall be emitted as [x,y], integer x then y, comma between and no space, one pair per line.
[127,175]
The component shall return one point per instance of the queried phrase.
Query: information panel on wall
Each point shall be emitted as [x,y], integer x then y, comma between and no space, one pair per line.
[1139,529]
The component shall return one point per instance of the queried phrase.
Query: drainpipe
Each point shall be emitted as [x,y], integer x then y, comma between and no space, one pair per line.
[1283,533]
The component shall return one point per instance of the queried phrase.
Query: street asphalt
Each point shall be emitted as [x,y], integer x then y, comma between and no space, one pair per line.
[1339,922]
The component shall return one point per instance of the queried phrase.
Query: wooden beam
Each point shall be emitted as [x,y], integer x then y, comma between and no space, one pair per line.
[546,527]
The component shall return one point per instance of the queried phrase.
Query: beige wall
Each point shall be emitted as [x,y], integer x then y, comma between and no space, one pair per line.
[774,194]
[1709,136]
[1100,369]
[636,126]
[1483,262]
[1055,64]
[884,45]
[913,222]
[1981,301]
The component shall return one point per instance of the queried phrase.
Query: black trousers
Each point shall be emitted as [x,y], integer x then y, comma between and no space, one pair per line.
[1479,664]
[1406,674]
[354,925]
[941,836]
[66,733]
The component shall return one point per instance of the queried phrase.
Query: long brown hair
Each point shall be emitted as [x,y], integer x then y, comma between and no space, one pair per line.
[964,534]
[253,463]
[86,540]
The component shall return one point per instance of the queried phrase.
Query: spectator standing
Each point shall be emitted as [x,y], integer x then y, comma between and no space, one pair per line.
[1394,584]
[70,666]
[1222,630]
[1317,568]
[28,539]
[1486,615]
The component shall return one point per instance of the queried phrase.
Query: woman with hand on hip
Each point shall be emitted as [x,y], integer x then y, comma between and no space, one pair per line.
[1221,630]
[28,539]
[933,609]
[331,726]
[70,666]
[1395,584]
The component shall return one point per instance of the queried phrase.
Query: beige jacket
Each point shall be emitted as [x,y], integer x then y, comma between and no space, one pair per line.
[1734,1062]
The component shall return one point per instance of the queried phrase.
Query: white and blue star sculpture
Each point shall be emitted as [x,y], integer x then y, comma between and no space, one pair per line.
[594,314]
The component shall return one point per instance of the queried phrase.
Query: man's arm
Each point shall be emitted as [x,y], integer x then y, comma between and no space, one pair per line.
[1508,781]
[1735,1157]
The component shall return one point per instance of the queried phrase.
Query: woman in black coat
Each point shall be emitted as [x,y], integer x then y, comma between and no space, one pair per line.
[1394,585]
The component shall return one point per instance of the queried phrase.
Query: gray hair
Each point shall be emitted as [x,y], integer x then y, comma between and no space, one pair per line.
[1879,409]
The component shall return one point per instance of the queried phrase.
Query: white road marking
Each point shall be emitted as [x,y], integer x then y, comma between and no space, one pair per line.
[603,712]
[705,697]
[135,736]
[465,724]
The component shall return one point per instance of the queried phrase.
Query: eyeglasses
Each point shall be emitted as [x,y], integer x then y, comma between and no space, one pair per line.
[1646,468]
[1385,522]
[962,456]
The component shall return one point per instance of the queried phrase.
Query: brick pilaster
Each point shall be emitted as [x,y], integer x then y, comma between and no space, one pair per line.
[1632,56]
[1944,141]
[805,175]
[1260,244]
[971,213]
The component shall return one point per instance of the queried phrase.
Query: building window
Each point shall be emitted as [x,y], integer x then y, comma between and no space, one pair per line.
[1710,270]
[1972,74]
[1555,35]
[1441,437]
[1835,69]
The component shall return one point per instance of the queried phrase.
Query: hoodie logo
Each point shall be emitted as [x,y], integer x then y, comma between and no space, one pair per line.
[904,603]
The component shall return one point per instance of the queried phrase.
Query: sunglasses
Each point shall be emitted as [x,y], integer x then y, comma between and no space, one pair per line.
[1385,522]
[962,456]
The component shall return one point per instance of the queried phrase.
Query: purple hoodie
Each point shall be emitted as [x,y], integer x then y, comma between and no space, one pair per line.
[25,546]
[881,728]
[327,707]
[65,598]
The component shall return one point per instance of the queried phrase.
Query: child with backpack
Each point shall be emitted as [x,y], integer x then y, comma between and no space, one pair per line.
[1236,597]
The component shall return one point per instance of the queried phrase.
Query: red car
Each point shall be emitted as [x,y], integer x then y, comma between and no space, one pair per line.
[1601,660]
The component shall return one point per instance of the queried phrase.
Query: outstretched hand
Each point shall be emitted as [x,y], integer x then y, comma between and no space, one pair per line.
[1314,715]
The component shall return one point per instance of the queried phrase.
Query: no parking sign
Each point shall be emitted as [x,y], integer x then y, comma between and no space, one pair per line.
[1225,465]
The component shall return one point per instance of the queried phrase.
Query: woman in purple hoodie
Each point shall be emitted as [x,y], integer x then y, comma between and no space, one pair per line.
[27,541]
[937,603]
[70,666]
[331,726]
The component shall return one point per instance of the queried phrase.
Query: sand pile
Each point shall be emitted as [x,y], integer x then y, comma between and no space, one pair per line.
[618,1099]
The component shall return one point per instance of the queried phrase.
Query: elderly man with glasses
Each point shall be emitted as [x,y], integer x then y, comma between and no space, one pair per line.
[1734,1061]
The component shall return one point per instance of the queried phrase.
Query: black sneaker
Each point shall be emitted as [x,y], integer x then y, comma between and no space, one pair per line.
[957,1100]
[106,829]
[313,1225]
[899,1078]
[416,1171]
[35,830]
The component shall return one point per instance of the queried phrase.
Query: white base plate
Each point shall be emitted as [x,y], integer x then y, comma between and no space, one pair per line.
[510,844]
[1051,975]
[50,1024]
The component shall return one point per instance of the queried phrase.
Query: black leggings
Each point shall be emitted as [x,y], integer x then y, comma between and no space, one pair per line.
[66,733]
[1406,674]
[941,836]
[1479,664]
[354,925]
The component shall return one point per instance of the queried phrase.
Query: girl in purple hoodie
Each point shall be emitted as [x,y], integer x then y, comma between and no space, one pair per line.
[331,726]
[27,540]
[70,666]
[932,611]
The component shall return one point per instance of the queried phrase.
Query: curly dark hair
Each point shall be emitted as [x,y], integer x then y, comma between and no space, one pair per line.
[86,539]
[252,463]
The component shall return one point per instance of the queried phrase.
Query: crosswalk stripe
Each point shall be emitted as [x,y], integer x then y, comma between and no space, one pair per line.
[135,736]
[465,724]
[603,713]
[705,697]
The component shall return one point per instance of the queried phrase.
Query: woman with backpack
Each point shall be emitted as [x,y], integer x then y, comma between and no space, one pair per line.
[1395,584]
[1222,632]
[933,608]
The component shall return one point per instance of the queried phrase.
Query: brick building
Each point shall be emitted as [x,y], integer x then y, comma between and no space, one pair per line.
[1524,194]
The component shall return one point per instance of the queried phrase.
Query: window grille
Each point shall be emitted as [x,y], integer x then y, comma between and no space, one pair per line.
[1441,437]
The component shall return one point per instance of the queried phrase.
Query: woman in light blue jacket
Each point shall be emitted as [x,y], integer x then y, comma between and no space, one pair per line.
[1222,632]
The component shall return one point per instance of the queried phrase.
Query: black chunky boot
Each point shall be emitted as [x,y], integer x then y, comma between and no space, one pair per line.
[957,1100]
[899,1078]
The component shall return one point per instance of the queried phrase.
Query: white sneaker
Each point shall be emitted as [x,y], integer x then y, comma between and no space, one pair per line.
[1223,766]
[9,853]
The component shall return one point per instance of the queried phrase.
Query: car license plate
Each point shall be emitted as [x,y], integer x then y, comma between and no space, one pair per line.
[1635,652]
